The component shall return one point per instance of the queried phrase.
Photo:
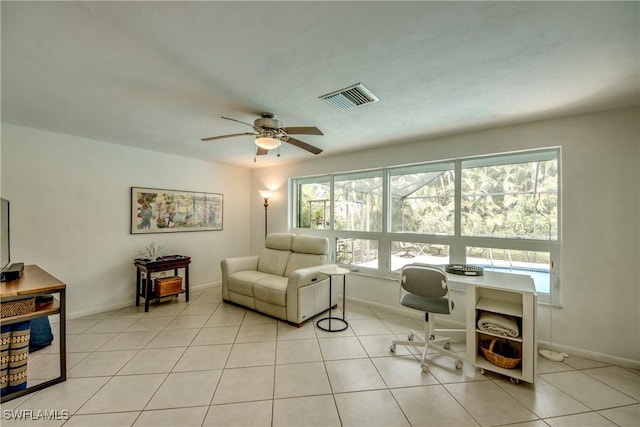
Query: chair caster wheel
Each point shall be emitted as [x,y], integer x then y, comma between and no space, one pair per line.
[514,380]
[447,345]
[432,337]
[425,368]
[480,371]
[458,364]
[410,337]
[392,348]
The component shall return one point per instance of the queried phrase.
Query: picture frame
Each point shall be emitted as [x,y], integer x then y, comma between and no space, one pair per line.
[169,211]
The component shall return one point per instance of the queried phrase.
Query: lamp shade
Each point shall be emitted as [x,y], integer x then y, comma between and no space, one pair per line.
[267,142]
[265,194]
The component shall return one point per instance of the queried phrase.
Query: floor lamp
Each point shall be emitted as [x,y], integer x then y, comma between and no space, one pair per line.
[265,195]
[550,353]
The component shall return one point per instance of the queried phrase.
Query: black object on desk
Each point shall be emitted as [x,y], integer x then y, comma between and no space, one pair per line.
[464,269]
[13,272]
[147,267]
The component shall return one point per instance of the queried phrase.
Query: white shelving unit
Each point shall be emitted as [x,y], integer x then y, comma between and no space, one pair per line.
[506,294]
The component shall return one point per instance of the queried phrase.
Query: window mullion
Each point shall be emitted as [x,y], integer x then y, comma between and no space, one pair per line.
[457,248]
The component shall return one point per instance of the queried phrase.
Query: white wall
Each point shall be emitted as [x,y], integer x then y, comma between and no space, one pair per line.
[70,212]
[600,278]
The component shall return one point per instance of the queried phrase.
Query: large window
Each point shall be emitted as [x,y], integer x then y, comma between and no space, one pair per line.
[514,197]
[357,252]
[423,199]
[357,202]
[313,203]
[497,211]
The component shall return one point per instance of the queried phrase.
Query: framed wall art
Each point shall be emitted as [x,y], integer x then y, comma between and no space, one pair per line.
[170,211]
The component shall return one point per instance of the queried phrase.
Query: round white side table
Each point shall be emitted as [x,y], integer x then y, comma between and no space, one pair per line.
[342,323]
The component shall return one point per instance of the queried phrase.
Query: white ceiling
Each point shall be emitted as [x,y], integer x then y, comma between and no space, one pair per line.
[158,75]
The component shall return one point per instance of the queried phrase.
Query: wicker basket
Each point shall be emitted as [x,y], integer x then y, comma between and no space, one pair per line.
[168,285]
[500,353]
[17,307]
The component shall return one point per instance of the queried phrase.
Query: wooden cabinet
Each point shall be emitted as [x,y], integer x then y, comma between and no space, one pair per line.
[507,295]
[145,267]
[33,283]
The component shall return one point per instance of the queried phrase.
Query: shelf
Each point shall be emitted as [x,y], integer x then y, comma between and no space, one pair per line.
[44,310]
[499,306]
[483,363]
[153,296]
[516,339]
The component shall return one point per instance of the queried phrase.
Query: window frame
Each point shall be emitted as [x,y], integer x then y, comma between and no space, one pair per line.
[457,242]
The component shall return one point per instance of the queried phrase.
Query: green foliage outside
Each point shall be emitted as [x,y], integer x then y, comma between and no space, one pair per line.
[506,201]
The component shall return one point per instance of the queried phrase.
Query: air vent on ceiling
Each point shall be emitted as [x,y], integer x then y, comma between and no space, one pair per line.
[351,97]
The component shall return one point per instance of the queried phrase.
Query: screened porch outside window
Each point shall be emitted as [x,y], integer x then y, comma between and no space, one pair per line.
[500,212]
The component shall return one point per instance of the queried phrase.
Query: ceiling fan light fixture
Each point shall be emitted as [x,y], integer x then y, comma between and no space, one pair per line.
[267,142]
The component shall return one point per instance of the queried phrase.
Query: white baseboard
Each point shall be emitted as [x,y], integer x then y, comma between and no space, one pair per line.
[128,303]
[96,310]
[206,285]
[573,351]
[592,355]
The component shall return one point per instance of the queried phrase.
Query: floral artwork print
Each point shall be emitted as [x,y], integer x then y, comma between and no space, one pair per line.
[161,211]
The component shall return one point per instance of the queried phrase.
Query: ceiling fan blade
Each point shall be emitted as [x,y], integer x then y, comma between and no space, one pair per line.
[304,145]
[261,151]
[303,130]
[213,138]
[236,120]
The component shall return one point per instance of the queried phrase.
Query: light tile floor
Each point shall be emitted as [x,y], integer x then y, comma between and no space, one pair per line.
[206,363]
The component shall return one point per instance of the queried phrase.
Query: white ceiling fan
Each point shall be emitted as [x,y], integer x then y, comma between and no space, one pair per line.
[270,133]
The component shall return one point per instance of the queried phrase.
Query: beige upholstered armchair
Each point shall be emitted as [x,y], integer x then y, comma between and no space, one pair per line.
[284,281]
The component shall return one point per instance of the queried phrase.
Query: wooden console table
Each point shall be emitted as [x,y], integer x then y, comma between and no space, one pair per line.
[37,282]
[147,267]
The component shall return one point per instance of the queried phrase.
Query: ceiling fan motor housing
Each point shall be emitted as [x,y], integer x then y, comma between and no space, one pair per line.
[268,120]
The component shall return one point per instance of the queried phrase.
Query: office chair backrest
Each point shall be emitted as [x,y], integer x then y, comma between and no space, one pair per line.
[424,280]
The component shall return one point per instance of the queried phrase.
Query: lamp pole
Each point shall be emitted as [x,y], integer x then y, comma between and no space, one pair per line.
[265,195]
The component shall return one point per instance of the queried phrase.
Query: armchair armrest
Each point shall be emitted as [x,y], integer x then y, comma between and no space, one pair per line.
[232,265]
[306,276]
[299,279]
[243,263]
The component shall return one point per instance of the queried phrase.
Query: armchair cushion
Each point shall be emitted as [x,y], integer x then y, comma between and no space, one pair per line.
[272,289]
[276,252]
[298,261]
[242,282]
[273,261]
[310,245]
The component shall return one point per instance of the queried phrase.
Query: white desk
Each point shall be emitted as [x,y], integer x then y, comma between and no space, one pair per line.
[503,293]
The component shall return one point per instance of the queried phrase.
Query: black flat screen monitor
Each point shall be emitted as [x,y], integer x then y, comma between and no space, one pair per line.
[5,256]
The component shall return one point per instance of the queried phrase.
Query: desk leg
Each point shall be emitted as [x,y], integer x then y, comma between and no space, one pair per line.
[344,296]
[330,299]
[138,287]
[186,283]
[63,334]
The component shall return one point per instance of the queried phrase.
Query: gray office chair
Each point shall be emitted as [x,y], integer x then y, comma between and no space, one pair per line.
[425,287]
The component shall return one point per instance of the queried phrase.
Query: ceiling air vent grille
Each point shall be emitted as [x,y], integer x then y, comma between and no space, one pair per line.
[351,97]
